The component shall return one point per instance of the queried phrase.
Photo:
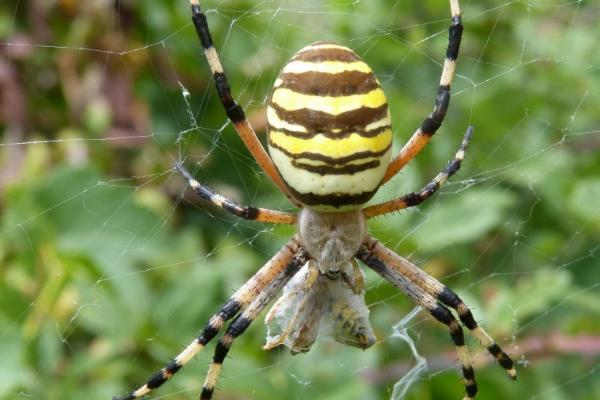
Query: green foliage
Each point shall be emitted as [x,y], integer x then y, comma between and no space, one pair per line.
[107,271]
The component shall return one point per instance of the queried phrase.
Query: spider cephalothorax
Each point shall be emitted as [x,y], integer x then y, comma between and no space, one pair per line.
[330,141]
[331,239]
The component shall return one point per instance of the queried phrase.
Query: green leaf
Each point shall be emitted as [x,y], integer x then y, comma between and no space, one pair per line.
[463,218]
[584,201]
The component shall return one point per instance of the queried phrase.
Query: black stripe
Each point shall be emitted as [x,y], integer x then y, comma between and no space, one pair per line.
[227,312]
[156,380]
[233,111]
[442,314]
[326,54]
[412,199]
[471,389]
[451,299]
[230,309]
[318,121]
[223,89]
[471,386]
[201,26]
[242,212]
[331,170]
[468,372]
[454,37]
[456,333]
[251,213]
[503,359]
[235,114]
[345,83]
[336,200]
[360,155]
[429,126]
[206,393]
[339,133]
[452,167]
[434,120]
[208,333]
[494,350]
[221,351]
[415,198]
[172,367]
[207,194]
[239,326]
[330,134]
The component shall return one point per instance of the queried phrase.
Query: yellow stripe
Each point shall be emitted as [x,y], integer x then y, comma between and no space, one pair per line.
[144,390]
[186,355]
[334,148]
[463,356]
[317,163]
[379,123]
[290,101]
[277,123]
[213,375]
[330,67]
[325,46]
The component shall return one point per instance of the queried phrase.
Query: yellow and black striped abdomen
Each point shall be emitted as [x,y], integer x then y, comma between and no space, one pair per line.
[329,128]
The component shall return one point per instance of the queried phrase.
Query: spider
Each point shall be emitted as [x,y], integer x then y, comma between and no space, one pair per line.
[329,142]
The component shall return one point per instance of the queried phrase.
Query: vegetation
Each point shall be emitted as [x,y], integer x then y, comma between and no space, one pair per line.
[109,266]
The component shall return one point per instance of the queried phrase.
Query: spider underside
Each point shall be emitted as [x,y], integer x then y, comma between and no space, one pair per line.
[330,148]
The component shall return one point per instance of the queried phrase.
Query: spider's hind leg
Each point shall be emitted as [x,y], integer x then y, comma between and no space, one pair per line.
[290,258]
[429,293]
[451,299]
[419,280]
[373,256]
[243,321]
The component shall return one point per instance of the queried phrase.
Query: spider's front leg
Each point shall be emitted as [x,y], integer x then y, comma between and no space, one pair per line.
[416,198]
[434,120]
[234,111]
[283,263]
[249,213]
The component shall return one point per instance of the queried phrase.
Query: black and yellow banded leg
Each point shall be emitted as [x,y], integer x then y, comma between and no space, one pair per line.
[250,213]
[269,273]
[451,299]
[234,112]
[416,198]
[230,309]
[243,321]
[434,120]
[443,315]
[372,257]
[419,278]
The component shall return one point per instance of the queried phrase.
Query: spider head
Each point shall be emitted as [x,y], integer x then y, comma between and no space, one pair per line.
[330,132]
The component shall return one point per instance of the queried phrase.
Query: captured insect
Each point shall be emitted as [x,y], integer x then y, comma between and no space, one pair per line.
[329,142]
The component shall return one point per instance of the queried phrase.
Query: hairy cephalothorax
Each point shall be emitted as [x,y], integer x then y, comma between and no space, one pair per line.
[330,144]
[332,239]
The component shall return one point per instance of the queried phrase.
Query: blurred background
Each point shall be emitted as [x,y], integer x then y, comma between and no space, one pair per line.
[109,266]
